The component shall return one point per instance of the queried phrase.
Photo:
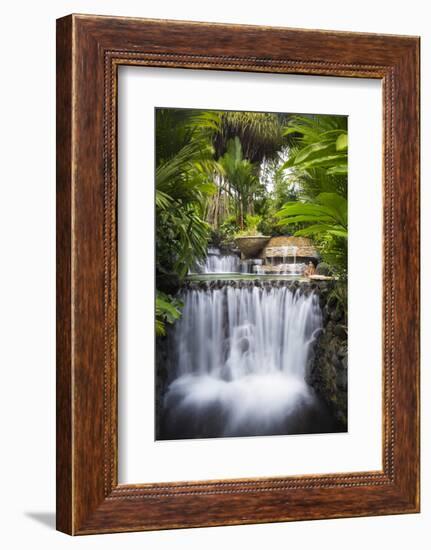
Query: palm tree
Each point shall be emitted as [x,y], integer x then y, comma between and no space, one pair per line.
[240,178]
[261,134]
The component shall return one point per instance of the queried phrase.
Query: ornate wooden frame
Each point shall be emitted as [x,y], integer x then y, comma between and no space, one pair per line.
[89,51]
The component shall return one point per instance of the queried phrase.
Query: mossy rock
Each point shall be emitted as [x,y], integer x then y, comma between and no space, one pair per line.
[323,269]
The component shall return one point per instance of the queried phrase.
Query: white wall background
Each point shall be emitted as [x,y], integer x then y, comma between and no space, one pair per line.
[27,233]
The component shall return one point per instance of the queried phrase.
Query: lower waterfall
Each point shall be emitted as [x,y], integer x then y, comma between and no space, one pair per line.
[237,362]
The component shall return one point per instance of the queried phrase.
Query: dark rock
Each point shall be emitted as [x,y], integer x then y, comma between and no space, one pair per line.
[323,269]
[340,331]
[168,282]
[341,352]
[342,379]
[318,333]
[326,313]
[327,367]
[336,315]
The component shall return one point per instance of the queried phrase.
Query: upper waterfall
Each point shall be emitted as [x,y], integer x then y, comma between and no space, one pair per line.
[215,262]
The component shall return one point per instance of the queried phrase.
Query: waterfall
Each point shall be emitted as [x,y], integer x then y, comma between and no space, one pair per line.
[228,263]
[215,262]
[238,361]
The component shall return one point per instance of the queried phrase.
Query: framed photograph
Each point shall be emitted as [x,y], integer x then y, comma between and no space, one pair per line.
[237,274]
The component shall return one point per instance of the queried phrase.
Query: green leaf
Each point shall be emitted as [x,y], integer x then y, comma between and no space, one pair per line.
[339,170]
[288,131]
[325,161]
[336,205]
[208,188]
[322,228]
[299,208]
[304,218]
[330,134]
[160,328]
[288,164]
[325,205]
[341,143]
[167,311]
[167,308]
[310,150]
[163,201]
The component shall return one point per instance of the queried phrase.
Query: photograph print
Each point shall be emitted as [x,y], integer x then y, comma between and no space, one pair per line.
[251,273]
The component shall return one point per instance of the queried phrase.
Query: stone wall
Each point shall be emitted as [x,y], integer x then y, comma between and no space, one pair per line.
[304,248]
[327,368]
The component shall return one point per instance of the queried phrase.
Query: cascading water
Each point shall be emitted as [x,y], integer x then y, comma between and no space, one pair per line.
[220,263]
[238,362]
[292,268]
[216,262]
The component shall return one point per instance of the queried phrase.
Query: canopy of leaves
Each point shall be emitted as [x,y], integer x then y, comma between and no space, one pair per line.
[318,152]
[261,134]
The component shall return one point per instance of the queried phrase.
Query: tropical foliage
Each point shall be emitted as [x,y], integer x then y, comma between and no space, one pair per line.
[260,134]
[325,218]
[318,153]
[220,174]
[168,310]
[317,164]
[240,179]
[184,181]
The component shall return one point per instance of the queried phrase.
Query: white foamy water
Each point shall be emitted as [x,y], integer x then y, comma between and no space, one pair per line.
[239,362]
[220,263]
